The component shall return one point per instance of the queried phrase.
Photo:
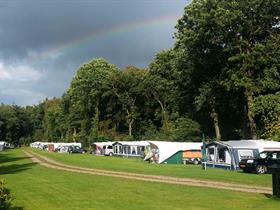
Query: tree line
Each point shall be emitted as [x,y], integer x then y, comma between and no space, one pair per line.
[221,78]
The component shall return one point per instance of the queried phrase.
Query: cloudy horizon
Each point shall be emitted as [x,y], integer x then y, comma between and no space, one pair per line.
[44,42]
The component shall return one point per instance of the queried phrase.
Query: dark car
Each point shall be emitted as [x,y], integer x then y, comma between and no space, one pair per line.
[75,149]
[261,163]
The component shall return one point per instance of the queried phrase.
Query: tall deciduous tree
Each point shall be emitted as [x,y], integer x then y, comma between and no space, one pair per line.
[161,84]
[52,121]
[128,86]
[197,41]
[220,37]
[85,93]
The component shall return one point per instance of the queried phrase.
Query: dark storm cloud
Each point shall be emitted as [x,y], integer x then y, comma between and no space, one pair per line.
[29,28]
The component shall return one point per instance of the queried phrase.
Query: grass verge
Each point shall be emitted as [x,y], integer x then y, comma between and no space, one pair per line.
[37,187]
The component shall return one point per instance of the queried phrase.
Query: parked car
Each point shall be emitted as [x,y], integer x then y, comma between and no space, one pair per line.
[108,150]
[261,163]
[75,149]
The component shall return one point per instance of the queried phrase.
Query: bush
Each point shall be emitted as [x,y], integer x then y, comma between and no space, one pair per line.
[185,129]
[5,197]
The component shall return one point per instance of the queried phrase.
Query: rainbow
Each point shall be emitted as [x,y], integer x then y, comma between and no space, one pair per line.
[92,37]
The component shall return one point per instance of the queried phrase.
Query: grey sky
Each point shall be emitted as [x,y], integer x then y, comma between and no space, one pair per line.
[43,42]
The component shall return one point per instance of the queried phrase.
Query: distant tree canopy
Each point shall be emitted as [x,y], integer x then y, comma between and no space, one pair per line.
[220,78]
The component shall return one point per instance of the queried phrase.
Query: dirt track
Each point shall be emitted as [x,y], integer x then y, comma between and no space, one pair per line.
[47,162]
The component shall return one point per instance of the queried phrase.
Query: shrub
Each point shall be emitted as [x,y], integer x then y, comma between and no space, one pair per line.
[5,197]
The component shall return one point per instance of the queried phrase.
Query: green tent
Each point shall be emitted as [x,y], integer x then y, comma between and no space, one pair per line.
[175,159]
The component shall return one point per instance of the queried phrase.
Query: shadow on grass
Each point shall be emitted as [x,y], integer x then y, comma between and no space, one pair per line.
[273,197]
[7,158]
[13,163]
[268,195]
[15,168]
[8,155]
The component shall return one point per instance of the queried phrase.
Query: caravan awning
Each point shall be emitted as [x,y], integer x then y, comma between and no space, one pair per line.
[167,149]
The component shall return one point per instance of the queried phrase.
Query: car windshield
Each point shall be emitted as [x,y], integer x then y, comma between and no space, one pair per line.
[263,155]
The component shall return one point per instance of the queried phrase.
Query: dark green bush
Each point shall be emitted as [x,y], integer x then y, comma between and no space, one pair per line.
[5,196]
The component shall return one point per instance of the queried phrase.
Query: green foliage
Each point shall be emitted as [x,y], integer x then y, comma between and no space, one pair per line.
[127,86]
[5,196]
[186,129]
[267,108]
[15,122]
[53,120]
[84,97]
[234,44]
[180,129]
[223,73]
[161,83]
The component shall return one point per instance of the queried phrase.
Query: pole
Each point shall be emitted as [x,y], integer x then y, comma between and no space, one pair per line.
[204,157]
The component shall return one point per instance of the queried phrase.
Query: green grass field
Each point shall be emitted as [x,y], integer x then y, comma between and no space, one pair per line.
[140,166]
[36,187]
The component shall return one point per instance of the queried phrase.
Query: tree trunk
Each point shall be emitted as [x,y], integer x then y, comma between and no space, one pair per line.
[130,122]
[164,117]
[251,115]
[130,128]
[94,131]
[215,118]
[97,119]
[74,135]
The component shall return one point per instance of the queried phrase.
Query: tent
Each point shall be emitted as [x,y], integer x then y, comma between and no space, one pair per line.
[170,152]
[227,154]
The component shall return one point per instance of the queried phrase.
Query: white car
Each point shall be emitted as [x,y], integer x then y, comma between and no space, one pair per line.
[108,150]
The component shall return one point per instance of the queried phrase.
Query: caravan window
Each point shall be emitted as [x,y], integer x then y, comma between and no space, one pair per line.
[120,149]
[133,150]
[245,154]
[211,154]
[223,155]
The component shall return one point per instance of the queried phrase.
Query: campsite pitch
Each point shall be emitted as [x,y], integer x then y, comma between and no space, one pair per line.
[133,165]
[47,162]
[38,187]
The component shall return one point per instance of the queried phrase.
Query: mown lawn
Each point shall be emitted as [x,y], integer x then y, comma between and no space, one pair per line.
[140,166]
[36,187]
